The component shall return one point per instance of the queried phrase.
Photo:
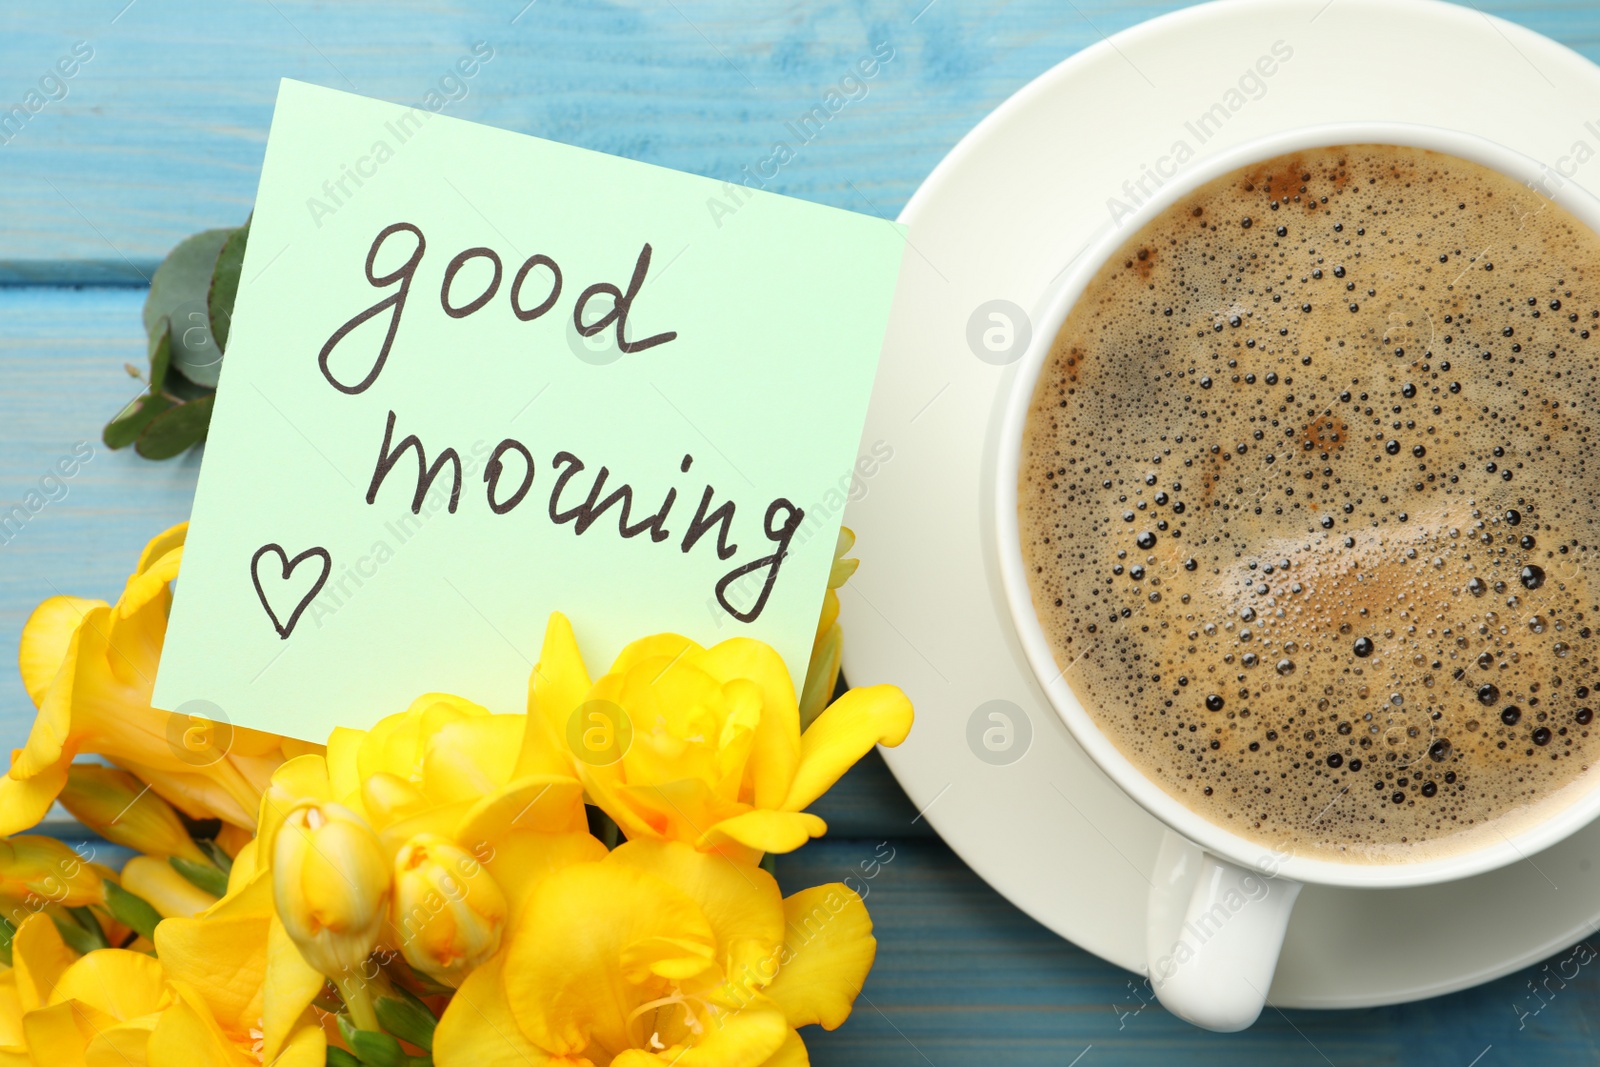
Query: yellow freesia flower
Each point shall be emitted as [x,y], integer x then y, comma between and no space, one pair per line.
[442,763]
[660,954]
[437,784]
[56,1008]
[118,807]
[89,667]
[243,992]
[36,871]
[331,882]
[683,743]
[447,913]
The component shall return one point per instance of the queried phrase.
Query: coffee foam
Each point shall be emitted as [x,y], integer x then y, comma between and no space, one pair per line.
[1306,502]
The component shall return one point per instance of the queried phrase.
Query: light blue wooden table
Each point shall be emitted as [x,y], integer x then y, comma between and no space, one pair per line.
[161,134]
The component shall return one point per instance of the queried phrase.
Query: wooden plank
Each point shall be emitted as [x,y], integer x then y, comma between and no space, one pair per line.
[161,132]
[962,978]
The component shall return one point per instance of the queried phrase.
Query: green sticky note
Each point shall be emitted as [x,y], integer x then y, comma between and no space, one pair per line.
[474,377]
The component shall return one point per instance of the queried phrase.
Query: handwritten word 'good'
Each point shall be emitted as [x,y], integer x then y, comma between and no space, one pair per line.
[534,291]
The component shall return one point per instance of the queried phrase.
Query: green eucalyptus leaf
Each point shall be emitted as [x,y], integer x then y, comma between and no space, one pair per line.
[408,1019]
[175,430]
[7,934]
[180,292]
[184,276]
[183,389]
[160,354]
[123,430]
[338,1057]
[201,875]
[225,284]
[131,911]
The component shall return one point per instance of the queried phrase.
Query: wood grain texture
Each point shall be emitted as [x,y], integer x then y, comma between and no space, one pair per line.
[161,134]
[964,979]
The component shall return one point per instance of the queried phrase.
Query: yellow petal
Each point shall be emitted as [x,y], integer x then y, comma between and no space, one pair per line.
[291,985]
[667,648]
[25,801]
[344,771]
[119,982]
[385,798]
[792,1053]
[221,790]
[48,739]
[520,862]
[245,867]
[478,1028]
[162,544]
[558,684]
[741,901]
[57,1035]
[38,958]
[307,1048]
[765,831]
[187,1036]
[607,792]
[680,810]
[396,744]
[536,804]
[10,1013]
[846,731]
[150,588]
[223,958]
[751,1036]
[466,759]
[563,979]
[123,1045]
[46,636]
[777,747]
[828,950]
[304,778]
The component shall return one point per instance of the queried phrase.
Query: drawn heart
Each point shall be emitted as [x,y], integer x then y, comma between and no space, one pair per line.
[288,567]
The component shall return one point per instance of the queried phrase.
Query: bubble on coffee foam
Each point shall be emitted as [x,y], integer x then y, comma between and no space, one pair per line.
[1304,501]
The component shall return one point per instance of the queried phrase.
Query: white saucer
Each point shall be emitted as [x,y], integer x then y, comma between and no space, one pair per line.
[998,220]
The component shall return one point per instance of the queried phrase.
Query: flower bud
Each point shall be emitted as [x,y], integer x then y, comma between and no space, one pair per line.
[123,810]
[448,912]
[38,870]
[164,889]
[330,882]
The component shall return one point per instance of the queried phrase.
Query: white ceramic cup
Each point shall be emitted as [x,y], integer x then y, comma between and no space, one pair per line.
[1221,902]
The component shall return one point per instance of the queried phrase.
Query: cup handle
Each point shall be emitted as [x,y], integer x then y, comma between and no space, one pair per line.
[1213,932]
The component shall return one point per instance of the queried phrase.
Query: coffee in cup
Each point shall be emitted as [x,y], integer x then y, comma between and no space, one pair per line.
[1307,495]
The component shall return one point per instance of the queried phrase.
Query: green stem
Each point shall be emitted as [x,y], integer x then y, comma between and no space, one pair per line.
[358,996]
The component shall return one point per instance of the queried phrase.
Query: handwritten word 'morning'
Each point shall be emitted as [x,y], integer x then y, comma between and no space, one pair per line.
[509,477]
